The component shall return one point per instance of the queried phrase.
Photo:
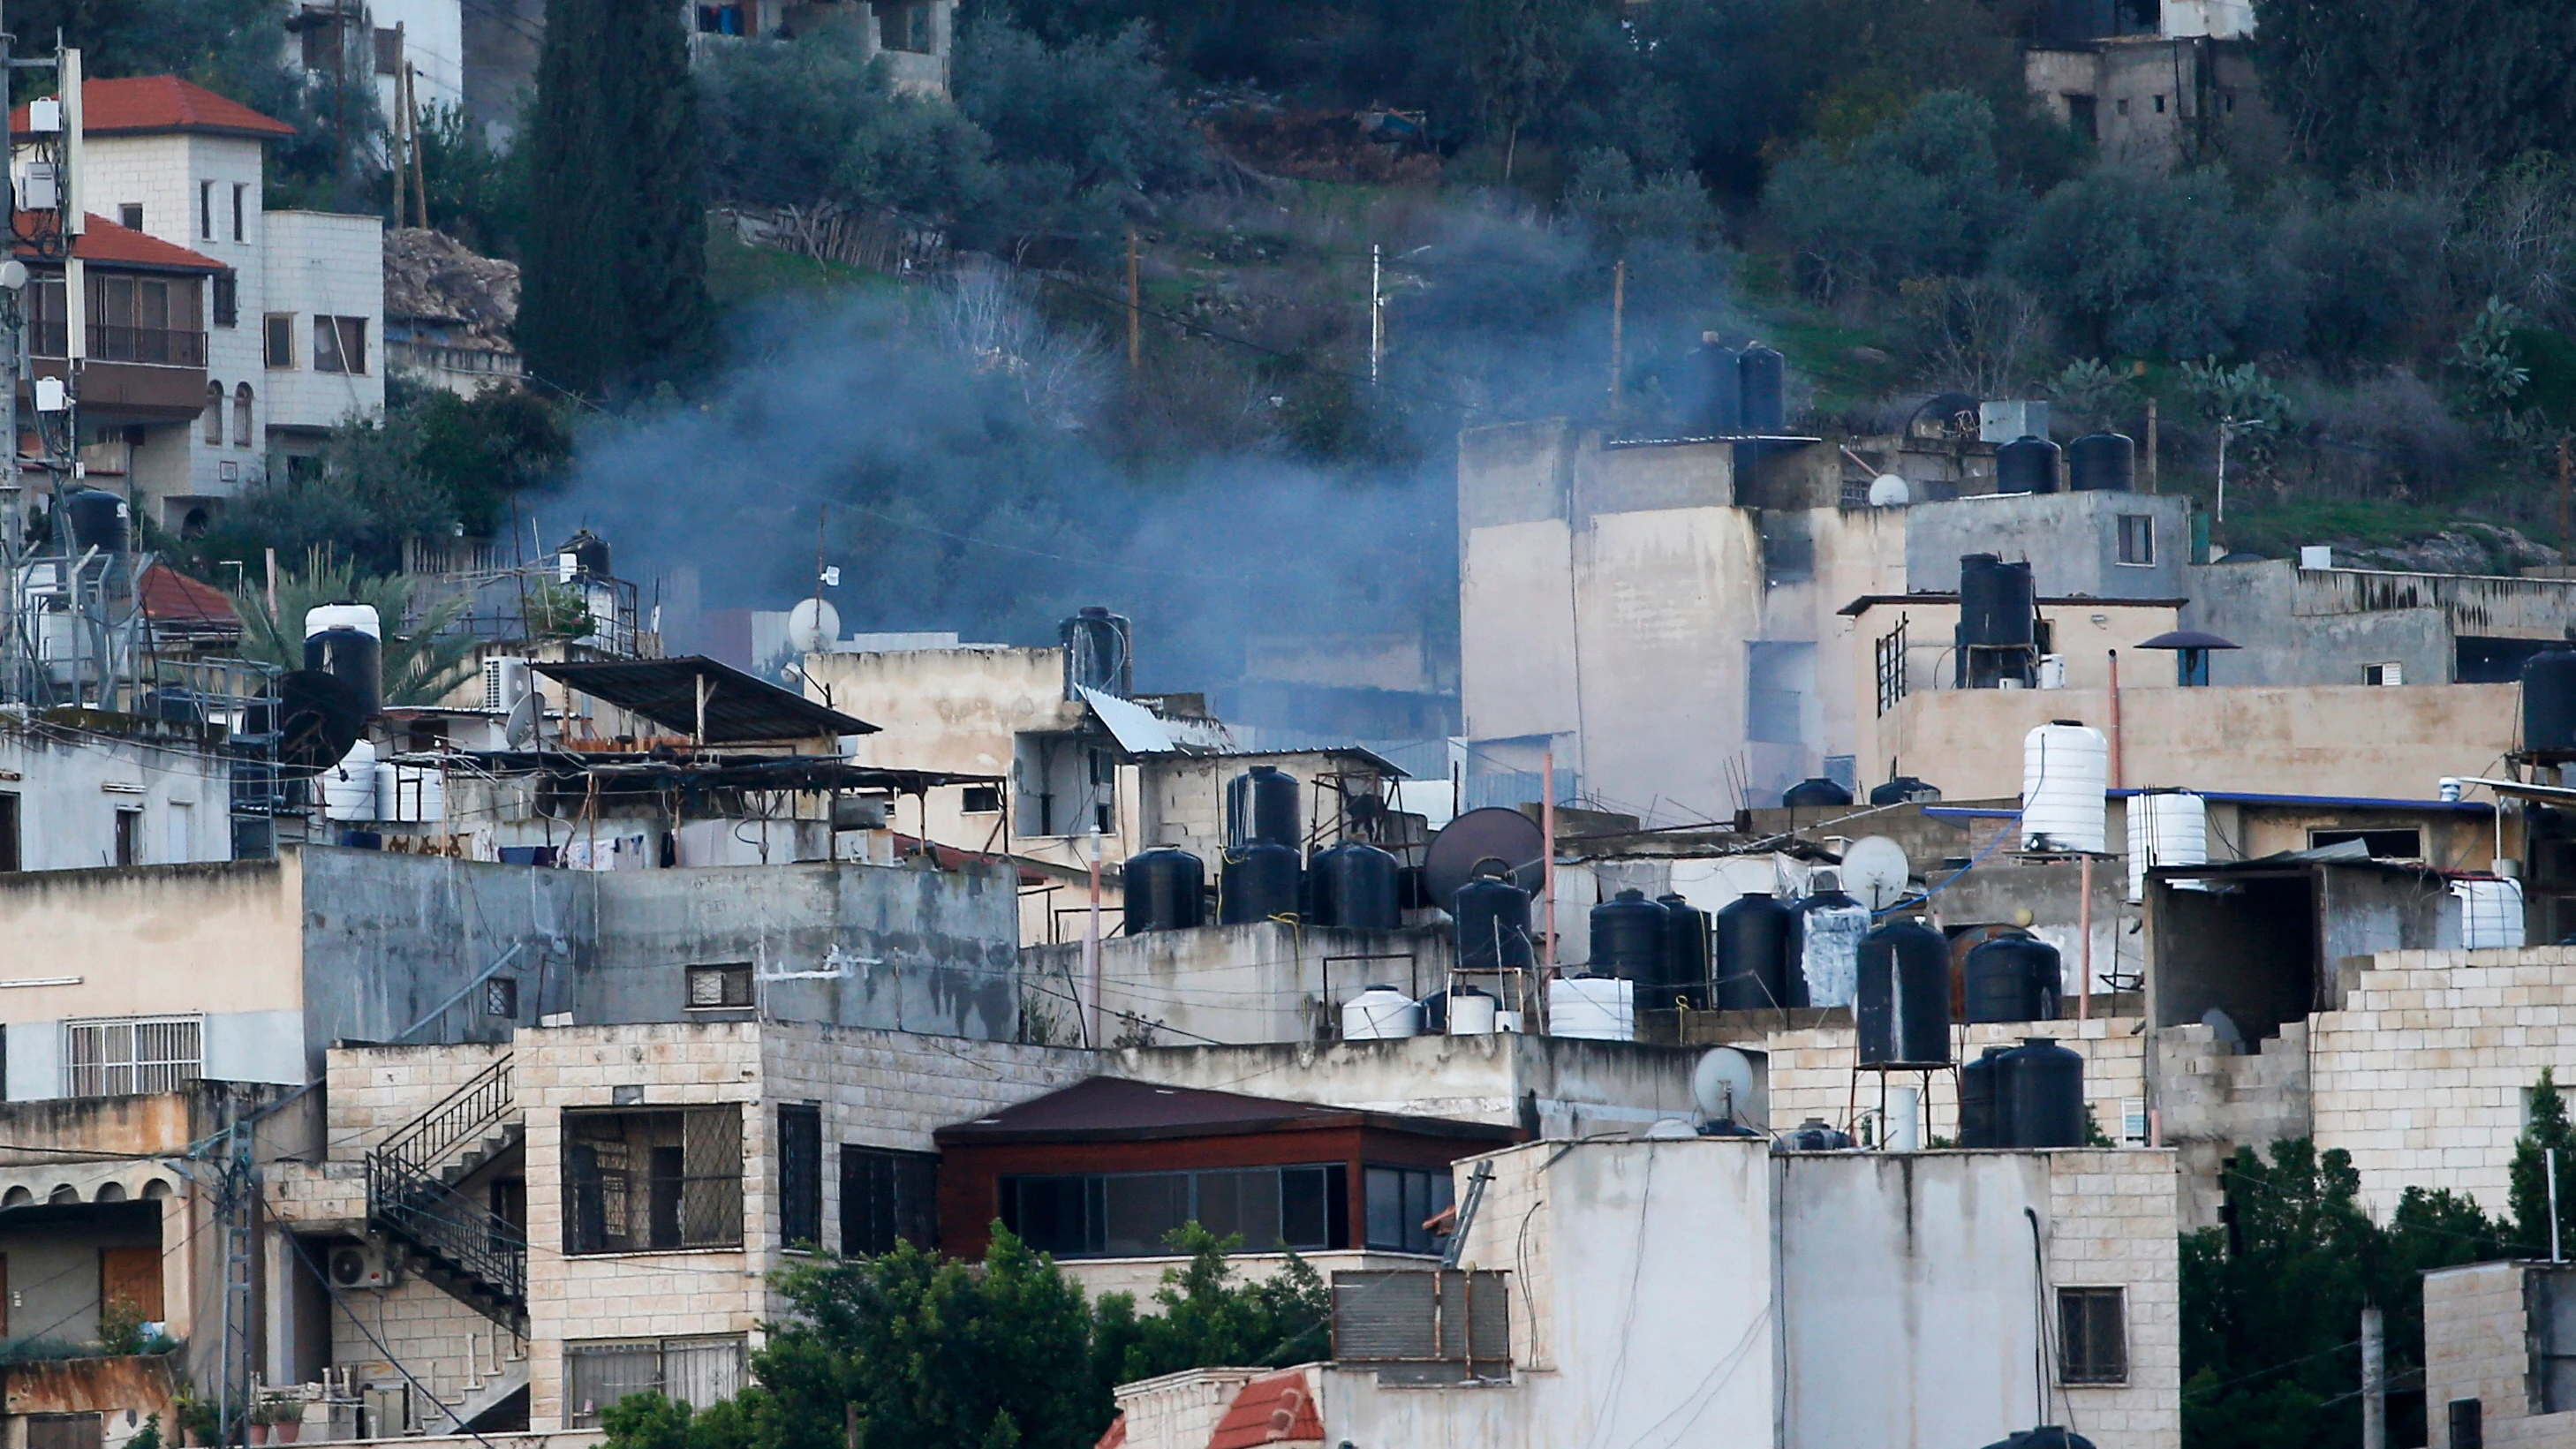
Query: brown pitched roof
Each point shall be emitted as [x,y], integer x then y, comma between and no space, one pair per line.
[1117,1109]
[108,244]
[144,104]
[1277,1410]
[171,597]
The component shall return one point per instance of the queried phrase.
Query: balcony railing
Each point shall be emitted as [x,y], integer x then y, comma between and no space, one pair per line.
[160,346]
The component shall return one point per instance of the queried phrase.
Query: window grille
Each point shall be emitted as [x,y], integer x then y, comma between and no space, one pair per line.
[132,1055]
[653,1181]
[2093,1338]
[888,1197]
[713,988]
[1424,1326]
[1891,667]
[693,1371]
[800,1175]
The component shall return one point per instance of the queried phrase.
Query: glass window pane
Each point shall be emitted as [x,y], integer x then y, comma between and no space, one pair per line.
[702,1371]
[1303,1221]
[1141,1210]
[1384,1191]
[1047,1213]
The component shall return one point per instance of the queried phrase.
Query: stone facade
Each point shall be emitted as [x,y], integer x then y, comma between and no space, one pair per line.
[2477,1346]
[2113,1220]
[1811,1072]
[2209,1100]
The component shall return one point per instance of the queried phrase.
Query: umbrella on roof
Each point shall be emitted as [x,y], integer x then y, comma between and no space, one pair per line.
[2189,639]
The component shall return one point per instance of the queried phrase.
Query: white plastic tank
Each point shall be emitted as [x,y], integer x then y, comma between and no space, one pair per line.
[1472,1012]
[1381,1013]
[2052,671]
[2490,913]
[349,787]
[1829,937]
[414,794]
[322,618]
[1598,1008]
[2065,773]
[2168,827]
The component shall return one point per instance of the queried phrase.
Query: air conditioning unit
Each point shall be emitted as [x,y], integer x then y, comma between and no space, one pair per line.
[506,681]
[363,1265]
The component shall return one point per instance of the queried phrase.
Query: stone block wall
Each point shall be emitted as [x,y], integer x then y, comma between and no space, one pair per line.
[2210,1100]
[2112,1220]
[1811,1072]
[2476,1347]
[451,1349]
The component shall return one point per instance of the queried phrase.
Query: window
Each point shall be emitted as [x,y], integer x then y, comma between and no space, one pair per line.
[1779,687]
[2382,844]
[2468,1426]
[64,1431]
[2122,106]
[720,988]
[652,1181]
[241,416]
[1891,667]
[241,190]
[983,800]
[130,216]
[2138,538]
[146,319]
[389,49]
[2160,105]
[320,31]
[280,348]
[340,345]
[2083,117]
[2092,1336]
[1400,1201]
[9,856]
[904,27]
[2391,674]
[1788,548]
[2551,1330]
[129,837]
[227,288]
[800,1175]
[48,318]
[1130,1215]
[131,1277]
[130,1055]
[508,1229]
[501,997]
[694,1371]
[888,1197]
[206,210]
[214,429]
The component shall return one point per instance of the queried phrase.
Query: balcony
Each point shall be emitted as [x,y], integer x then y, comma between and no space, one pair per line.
[157,346]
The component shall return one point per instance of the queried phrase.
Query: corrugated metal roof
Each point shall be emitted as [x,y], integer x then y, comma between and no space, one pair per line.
[740,708]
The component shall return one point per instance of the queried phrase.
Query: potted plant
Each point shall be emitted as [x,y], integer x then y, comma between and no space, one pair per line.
[197,1424]
[285,1420]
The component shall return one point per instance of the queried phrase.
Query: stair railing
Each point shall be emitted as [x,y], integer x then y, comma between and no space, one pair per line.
[461,1116]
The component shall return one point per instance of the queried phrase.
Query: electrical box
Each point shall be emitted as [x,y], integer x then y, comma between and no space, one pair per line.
[2001,422]
[40,189]
[45,117]
[52,396]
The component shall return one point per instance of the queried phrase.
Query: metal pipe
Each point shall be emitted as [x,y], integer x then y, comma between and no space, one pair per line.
[1547,858]
[2084,951]
[2115,719]
[1091,947]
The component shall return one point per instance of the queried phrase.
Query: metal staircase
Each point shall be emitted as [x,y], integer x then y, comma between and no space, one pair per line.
[413,1197]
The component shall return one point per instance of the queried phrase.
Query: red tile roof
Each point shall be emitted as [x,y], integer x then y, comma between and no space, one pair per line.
[145,104]
[171,597]
[1277,1410]
[108,244]
[1116,1438]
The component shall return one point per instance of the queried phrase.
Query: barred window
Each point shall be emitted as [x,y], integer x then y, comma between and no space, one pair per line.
[1891,667]
[888,1197]
[131,1055]
[800,1175]
[2093,1337]
[720,988]
[653,1181]
[694,1371]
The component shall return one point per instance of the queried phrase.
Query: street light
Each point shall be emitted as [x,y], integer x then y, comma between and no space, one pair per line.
[2227,427]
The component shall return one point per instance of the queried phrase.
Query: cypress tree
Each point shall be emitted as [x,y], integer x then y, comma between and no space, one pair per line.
[615,293]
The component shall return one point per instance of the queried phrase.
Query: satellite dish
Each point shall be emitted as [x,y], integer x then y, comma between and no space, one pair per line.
[1889,491]
[813,626]
[1726,1088]
[1504,835]
[520,729]
[1875,872]
[319,716]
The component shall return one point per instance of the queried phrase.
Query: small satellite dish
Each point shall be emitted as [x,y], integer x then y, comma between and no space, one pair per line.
[1492,832]
[520,729]
[813,626]
[1889,491]
[1726,1088]
[1875,872]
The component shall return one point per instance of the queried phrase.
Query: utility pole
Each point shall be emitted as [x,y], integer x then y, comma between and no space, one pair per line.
[1135,312]
[2151,447]
[2564,466]
[2374,1380]
[400,140]
[411,119]
[1377,324]
[1618,338]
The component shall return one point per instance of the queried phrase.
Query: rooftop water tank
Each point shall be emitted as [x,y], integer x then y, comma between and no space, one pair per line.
[1756,942]
[346,641]
[1978,1126]
[1628,937]
[2490,913]
[1166,890]
[1901,1010]
[1764,374]
[588,552]
[1998,627]
[2549,702]
[1815,1135]
[349,787]
[1472,1012]
[1814,793]
[1903,789]
[2012,978]
[2026,465]
[1381,1013]
[1687,953]
[1490,920]
[2065,768]
[2102,463]
[1721,390]
[1262,804]
[2166,827]
[1592,1006]
[2039,1095]
[1099,653]
[98,519]
[1355,887]
[1830,928]
[1258,882]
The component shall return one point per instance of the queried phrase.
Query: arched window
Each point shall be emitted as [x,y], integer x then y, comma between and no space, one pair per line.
[214,412]
[241,416]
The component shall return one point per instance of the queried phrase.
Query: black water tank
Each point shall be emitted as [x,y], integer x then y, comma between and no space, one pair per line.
[1099,653]
[1490,921]
[1814,792]
[2039,1095]
[2027,465]
[1757,938]
[1902,1006]
[589,552]
[2012,978]
[1997,602]
[98,519]
[1259,881]
[354,657]
[2549,701]
[1686,951]
[2102,463]
[1261,804]
[1978,1126]
[1354,886]
[1166,891]
[1628,937]
[1901,789]
[1764,375]
[1721,390]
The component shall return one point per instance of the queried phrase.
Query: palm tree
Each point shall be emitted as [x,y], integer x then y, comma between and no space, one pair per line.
[420,667]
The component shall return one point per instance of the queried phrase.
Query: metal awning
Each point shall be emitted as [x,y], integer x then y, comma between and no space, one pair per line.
[676,694]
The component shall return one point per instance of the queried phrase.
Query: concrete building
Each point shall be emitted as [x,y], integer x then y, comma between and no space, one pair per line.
[2159,85]
[1596,1309]
[240,336]
[110,791]
[2341,626]
[2500,1355]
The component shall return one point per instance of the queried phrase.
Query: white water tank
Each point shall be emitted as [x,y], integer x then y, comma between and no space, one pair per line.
[413,794]
[349,787]
[1598,1008]
[323,618]
[2168,827]
[2490,913]
[1381,1013]
[2065,773]
[1472,1012]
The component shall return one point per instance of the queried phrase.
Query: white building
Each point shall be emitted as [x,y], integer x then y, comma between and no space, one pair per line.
[271,322]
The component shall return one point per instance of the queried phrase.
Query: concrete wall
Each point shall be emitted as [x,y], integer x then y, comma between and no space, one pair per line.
[1265,982]
[2321,626]
[2211,1100]
[2070,540]
[70,790]
[2314,740]
[2477,1346]
[325,264]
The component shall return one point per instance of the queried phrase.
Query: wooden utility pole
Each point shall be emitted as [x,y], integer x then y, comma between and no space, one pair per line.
[1135,311]
[1618,337]
[2151,445]
[400,141]
[411,118]
[2565,465]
